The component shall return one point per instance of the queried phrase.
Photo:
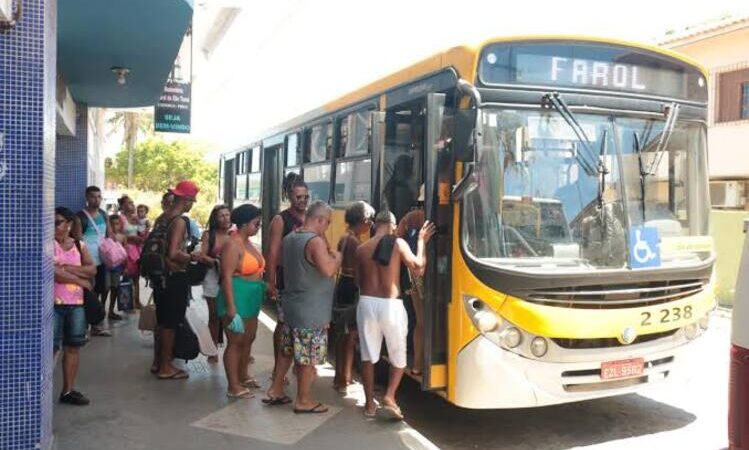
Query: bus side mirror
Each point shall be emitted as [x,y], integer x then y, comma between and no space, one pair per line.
[464,144]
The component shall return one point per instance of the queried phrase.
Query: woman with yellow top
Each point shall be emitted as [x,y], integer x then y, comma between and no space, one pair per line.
[239,299]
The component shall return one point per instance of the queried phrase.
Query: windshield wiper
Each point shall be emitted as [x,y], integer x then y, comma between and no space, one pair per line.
[588,160]
[643,172]
[672,113]
[603,170]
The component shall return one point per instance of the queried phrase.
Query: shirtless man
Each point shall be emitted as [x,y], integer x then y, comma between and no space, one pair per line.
[380,313]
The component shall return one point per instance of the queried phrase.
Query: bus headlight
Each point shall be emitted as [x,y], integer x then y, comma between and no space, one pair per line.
[482,315]
[705,321]
[512,337]
[539,347]
[690,331]
[486,321]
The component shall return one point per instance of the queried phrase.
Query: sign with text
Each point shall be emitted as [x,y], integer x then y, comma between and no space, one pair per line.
[172,112]
[590,66]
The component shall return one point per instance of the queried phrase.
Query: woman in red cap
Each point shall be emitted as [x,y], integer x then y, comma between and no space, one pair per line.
[171,296]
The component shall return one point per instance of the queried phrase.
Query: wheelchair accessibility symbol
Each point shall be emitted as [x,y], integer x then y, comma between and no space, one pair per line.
[644,247]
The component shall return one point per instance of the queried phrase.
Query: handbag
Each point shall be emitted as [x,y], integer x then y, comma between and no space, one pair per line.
[196,273]
[125,294]
[147,319]
[92,306]
[112,252]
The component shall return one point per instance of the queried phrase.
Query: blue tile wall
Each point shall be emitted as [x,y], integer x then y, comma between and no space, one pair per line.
[71,164]
[27,182]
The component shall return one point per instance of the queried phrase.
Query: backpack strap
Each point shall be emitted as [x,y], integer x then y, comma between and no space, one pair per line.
[78,246]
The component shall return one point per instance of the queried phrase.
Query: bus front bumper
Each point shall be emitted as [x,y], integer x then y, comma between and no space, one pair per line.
[490,377]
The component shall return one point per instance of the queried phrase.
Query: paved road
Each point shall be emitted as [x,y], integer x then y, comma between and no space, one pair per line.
[682,414]
[132,410]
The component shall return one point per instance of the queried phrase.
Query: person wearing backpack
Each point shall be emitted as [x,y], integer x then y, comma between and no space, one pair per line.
[74,269]
[91,226]
[164,262]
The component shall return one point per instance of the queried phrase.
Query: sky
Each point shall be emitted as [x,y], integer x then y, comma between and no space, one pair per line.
[281,58]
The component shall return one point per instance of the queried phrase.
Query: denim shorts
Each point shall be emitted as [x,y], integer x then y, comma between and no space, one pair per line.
[70,326]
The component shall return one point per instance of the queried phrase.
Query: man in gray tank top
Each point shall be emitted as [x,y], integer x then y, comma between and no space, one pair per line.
[310,265]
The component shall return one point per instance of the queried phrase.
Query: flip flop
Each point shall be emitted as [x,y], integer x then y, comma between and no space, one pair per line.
[370,415]
[154,369]
[317,409]
[390,413]
[417,373]
[273,401]
[251,383]
[176,375]
[245,393]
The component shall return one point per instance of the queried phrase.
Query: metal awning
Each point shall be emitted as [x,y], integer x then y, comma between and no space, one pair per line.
[144,36]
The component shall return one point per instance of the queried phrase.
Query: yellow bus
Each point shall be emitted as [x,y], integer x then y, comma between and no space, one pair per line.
[568,180]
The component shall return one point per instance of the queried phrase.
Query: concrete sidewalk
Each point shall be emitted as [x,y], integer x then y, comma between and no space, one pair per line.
[131,409]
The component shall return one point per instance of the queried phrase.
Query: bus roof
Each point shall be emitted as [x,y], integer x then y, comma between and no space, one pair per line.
[464,59]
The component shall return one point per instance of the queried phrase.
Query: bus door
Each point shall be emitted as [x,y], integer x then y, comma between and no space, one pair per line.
[413,156]
[438,176]
[271,190]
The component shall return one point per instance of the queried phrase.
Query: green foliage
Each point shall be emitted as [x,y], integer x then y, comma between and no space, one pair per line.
[160,165]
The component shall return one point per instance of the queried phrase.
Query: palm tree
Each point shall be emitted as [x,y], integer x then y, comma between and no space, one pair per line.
[134,123]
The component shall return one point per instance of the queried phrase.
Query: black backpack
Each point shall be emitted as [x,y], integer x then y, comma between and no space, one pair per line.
[153,257]
[186,345]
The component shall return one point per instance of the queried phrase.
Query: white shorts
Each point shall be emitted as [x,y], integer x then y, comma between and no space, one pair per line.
[382,317]
[211,283]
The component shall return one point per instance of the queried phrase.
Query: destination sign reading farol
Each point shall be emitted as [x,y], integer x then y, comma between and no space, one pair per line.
[590,66]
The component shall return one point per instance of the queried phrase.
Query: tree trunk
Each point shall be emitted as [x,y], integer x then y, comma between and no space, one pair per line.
[131,136]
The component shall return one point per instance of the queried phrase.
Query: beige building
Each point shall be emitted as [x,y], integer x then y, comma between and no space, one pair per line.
[723,48]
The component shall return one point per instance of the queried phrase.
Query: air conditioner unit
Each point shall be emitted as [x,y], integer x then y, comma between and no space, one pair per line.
[727,194]
[66,109]
[6,10]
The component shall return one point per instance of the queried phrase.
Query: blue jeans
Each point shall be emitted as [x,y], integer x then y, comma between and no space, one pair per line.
[70,326]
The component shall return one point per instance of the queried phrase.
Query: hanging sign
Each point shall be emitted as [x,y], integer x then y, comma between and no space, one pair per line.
[172,112]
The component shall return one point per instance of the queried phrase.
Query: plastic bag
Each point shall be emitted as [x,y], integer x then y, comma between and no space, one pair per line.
[200,328]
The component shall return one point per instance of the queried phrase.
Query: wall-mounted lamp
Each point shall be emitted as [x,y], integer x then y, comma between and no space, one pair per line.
[120,73]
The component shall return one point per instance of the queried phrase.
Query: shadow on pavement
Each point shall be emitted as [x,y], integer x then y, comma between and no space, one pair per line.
[553,427]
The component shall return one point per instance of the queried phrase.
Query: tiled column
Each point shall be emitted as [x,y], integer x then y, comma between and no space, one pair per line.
[27,171]
[71,163]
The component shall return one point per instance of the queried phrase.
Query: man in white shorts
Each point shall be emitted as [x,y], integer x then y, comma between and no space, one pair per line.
[380,313]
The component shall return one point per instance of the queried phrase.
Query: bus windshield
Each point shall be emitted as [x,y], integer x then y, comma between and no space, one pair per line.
[534,207]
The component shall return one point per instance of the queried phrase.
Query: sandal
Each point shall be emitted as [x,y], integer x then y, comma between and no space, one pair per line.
[245,393]
[370,415]
[390,412]
[317,409]
[251,383]
[273,401]
[176,375]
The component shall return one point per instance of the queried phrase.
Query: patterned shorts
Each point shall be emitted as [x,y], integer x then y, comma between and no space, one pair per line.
[309,346]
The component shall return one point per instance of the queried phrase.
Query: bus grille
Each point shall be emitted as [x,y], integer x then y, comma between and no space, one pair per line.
[615,296]
[609,342]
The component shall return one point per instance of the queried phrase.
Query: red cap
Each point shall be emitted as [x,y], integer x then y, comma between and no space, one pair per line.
[185,188]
